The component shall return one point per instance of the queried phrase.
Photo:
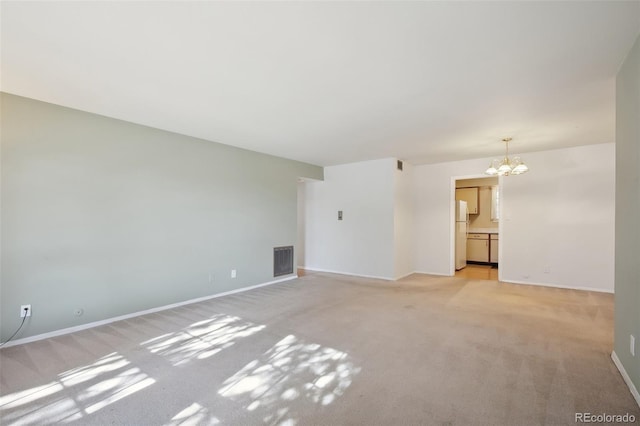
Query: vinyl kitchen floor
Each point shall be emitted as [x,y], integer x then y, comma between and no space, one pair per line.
[478,272]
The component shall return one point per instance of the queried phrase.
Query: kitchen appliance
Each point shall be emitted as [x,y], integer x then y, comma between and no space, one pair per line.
[462,222]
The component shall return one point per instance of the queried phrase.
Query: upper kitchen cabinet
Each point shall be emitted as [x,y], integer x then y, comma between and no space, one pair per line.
[470,195]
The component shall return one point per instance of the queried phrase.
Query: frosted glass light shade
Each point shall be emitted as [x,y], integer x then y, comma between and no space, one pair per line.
[504,169]
[492,170]
[520,169]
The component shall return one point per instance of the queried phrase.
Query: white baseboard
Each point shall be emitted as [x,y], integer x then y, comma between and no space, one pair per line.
[625,376]
[404,276]
[440,274]
[308,268]
[136,314]
[598,290]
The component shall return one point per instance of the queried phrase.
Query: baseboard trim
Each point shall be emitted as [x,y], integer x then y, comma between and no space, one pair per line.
[139,313]
[404,276]
[307,268]
[433,273]
[625,376]
[598,290]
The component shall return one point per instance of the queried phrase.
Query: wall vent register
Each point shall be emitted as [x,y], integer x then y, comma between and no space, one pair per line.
[282,261]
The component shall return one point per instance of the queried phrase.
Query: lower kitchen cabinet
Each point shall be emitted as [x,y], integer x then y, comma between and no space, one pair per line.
[493,256]
[478,247]
[482,248]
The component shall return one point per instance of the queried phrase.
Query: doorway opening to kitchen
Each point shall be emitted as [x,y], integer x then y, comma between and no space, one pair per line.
[476,236]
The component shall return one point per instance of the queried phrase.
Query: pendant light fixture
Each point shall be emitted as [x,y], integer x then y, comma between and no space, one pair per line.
[507,166]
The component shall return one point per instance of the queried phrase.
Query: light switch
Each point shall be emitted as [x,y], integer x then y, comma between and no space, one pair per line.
[339,214]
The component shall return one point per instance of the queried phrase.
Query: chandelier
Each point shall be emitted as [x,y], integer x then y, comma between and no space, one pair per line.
[507,166]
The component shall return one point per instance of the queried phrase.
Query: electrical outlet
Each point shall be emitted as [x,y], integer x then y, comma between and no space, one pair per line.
[233,273]
[210,277]
[25,311]
[632,345]
[547,269]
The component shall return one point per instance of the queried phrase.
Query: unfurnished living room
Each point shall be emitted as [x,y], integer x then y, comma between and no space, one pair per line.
[320,213]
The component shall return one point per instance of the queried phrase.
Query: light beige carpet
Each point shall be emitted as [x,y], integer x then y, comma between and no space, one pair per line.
[331,349]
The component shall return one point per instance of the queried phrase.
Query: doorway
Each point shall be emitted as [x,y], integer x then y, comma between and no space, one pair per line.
[300,254]
[479,257]
[301,228]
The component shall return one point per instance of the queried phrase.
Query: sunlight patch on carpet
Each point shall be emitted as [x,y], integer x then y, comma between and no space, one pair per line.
[195,415]
[202,339]
[290,377]
[76,393]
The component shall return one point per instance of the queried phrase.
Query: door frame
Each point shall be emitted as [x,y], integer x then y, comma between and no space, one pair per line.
[452,221]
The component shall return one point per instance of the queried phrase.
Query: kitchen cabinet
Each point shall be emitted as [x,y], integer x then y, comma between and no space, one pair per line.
[478,248]
[470,195]
[482,247]
[493,255]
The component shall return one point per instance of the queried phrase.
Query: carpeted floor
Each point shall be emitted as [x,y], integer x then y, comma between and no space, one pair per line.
[328,350]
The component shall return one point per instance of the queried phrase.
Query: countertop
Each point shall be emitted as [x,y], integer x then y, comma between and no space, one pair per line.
[483,230]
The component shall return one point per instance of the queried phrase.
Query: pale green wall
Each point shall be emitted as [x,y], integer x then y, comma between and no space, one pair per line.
[627,281]
[114,217]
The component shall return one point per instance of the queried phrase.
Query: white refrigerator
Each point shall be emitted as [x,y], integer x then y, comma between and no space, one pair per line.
[462,221]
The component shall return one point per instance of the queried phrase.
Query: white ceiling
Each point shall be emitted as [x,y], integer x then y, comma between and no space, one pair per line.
[332,82]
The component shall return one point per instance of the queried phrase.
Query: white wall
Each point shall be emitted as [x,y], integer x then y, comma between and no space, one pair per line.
[433,212]
[558,217]
[363,242]
[403,221]
[562,218]
[557,227]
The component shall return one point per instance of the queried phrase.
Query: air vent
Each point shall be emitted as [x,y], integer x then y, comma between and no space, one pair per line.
[282,260]
[400,165]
